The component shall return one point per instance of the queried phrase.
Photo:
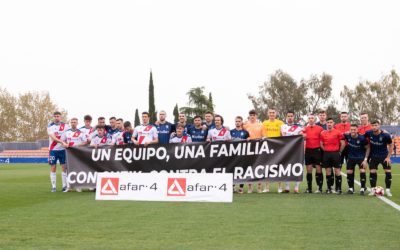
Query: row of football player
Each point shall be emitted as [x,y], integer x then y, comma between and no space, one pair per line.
[252,129]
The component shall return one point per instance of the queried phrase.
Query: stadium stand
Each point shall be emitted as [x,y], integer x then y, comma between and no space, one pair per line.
[24,152]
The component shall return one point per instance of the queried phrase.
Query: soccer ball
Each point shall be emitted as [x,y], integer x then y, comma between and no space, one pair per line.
[379,191]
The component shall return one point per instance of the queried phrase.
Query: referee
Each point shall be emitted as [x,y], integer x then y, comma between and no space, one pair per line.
[332,144]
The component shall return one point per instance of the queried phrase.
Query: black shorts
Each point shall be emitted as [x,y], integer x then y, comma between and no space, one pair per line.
[352,163]
[313,156]
[331,159]
[374,163]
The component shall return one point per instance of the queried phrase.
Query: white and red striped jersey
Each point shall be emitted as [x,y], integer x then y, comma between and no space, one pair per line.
[182,139]
[291,129]
[145,133]
[118,138]
[221,134]
[101,141]
[74,137]
[57,129]
[88,132]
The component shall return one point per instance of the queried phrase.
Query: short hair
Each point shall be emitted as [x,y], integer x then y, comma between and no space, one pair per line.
[329,119]
[57,113]
[222,119]
[344,113]
[179,125]
[127,124]
[162,111]
[101,118]
[376,122]
[209,112]
[112,118]
[120,120]
[354,125]
[100,127]
[239,117]
[363,113]
[322,111]
[272,108]
[290,112]
[87,118]
[181,113]
[145,113]
[74,119]
[197,116]
[253,112]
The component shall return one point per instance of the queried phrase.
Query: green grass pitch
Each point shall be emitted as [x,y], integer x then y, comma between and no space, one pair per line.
[33,217]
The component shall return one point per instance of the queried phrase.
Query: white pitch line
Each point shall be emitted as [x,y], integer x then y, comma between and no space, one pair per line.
[382,198]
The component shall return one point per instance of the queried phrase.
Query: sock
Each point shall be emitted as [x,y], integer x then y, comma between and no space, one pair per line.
[338,182]
[329,181]
[309,181]
[287,186]
[363,179]
[388,180]
[350,180]
[64,179]
[298,184]
[319,179]
[372,179]
[53,179]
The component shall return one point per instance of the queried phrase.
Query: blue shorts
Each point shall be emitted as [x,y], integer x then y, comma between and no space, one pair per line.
[55,155]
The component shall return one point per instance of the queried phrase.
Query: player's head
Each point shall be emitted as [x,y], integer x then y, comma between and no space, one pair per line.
[322,116]
[290,117]
[197,121]
[354,130]
[209,117]
[127,126]
[112,121]
[182,118]
[74,123]
[311,119]
[238,122]
[57,116]
[364,118]
[87,119]
[376,125]
[344,117]
[119,123]
[179,129]
[101,121]
[330,123]
[218,120]
[101,129]
[253,115]
[145,118]
[272,113]
[162,115]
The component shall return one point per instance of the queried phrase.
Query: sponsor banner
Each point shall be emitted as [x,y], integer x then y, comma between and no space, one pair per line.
[272,159]
[164,187]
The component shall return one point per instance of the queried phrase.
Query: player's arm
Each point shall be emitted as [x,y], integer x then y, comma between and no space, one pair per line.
[155,137]
[209,136]
[367,152]
[390,147]
[342,145]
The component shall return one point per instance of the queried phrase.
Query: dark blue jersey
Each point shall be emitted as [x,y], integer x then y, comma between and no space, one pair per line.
[127,137]
[239,134]
[379,143]
[209,126]
[356,146]
[324,126]
[111,131]
[164,132]
[198,135]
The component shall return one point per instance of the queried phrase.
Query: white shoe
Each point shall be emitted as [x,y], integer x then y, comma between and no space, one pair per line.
[388,193]
[372,192]
[79,190]
[250,190]
[265,190]
[280,190]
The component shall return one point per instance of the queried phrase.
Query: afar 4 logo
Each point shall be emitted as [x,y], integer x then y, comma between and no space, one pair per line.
[176,187]
[109,186]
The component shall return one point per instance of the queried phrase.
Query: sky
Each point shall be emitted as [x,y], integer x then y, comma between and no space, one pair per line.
[94,57]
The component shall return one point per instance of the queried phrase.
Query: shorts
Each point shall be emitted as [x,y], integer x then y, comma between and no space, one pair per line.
[313,156]
[55,155]
[374,163]
[352,163]
[344,156]
[331,159]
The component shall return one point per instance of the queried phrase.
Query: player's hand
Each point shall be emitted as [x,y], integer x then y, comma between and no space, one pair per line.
[157,123]
[65,145]
[146,144]
[204,127]
[387,160]
[364,164]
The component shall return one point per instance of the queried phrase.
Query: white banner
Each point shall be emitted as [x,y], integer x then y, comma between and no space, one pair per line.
[164,187]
